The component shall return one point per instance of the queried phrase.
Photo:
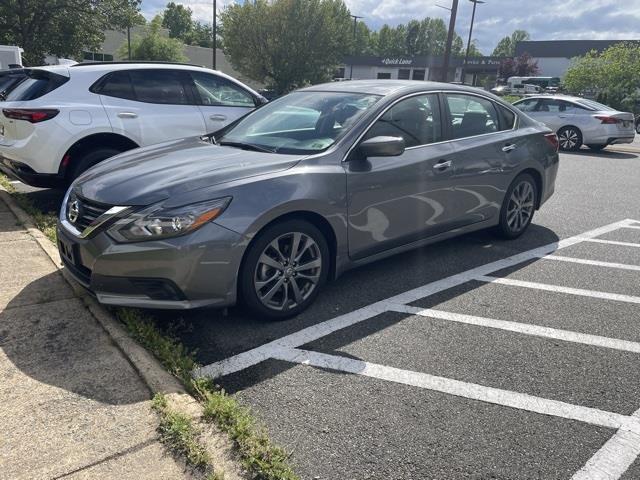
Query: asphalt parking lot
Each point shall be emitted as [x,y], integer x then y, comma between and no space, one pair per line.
[475,358]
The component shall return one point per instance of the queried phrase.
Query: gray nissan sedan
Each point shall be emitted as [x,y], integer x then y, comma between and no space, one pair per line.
[302,189]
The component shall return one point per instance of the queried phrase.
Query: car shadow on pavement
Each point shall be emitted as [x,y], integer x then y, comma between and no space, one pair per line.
[616,155]
[48,335]
[45,200]
[216,336]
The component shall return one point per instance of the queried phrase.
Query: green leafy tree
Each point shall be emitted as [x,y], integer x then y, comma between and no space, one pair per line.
[474,52]
[61,27]
[155,46]
[200,34]
[507,46]
[177,19]
[287,43]
[613,74]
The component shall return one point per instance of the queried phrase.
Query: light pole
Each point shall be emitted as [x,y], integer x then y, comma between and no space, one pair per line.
[447,51]
[215,33]
[355,26]
[473,17]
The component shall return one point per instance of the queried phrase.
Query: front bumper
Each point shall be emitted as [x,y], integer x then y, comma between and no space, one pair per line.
[193,271]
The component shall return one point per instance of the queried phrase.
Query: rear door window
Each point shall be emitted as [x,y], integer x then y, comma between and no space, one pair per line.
[117,84]
[167,87]
[37,84]
[471,116]
[527,105]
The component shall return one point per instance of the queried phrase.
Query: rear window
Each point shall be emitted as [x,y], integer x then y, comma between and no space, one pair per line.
[117,84]
[37,84]
[149,85]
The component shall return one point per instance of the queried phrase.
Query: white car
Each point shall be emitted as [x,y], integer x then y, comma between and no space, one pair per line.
[62,120]
[579,121]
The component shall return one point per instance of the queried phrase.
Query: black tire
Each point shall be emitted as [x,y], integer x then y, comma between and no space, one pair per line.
[570,139]
[88,160]
[597,148]
[638,127]
[255,271]
[506,228]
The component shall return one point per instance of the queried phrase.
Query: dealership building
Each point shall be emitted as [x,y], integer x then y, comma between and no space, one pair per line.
[554,58]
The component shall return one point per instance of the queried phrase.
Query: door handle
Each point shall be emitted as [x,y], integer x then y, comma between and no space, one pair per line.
[442,165]
[218,118]
[509,148]
[127,115]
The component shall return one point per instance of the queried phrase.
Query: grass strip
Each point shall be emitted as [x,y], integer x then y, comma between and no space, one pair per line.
[44,221]
[179,433]
[263,459]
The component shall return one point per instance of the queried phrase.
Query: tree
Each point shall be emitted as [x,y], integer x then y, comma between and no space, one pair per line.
[507,46]
[155,46]
[613,74]
[60,27]
[177,19]
[287,43]
[474,52]
[200,34]
[522,66]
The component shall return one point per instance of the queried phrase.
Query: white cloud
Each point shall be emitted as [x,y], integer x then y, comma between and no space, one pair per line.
[558,19]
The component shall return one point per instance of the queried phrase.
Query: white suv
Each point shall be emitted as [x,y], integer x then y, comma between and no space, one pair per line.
[62,120]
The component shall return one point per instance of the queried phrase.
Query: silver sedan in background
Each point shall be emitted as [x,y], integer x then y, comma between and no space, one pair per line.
[579,121]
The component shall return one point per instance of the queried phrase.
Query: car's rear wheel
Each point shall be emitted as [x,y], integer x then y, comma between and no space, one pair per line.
[284,269]
[597,148]
[89,159]
[518,207]
[638,127]
[570,139]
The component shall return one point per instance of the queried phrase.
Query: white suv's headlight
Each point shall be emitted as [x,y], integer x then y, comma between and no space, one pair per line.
[157,223]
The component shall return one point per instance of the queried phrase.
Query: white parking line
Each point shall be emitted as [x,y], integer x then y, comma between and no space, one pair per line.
[259,354]
[614,458]
[524,328]
[557,288]
[597,263]
[636,227]
[458,388]
[612,242]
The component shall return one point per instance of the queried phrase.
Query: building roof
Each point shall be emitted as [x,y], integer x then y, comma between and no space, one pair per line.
[564,48]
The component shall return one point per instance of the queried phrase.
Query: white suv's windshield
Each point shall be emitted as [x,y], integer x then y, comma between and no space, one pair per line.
[301,122]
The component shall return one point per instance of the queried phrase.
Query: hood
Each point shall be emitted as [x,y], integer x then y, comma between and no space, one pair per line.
[149,175]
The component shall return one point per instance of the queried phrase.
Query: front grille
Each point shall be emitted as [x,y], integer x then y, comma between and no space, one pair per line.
[88,210]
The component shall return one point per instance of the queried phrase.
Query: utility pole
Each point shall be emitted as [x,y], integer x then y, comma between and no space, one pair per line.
[129,39]
[215,33]
[447,51]
[473,17]
[355,26]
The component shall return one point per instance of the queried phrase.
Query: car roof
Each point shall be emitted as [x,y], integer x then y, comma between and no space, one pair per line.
[385,87]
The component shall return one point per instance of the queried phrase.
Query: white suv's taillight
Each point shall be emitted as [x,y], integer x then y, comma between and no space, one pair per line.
[29,114]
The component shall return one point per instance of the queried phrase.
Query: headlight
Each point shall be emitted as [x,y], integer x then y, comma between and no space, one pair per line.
[157,223]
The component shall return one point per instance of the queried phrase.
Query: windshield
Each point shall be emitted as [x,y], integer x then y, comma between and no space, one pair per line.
[301,122]
[595,105]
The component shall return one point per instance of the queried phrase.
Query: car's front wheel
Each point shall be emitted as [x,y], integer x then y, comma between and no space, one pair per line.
[570,138]
[638,127]
[284,269]
[518,207]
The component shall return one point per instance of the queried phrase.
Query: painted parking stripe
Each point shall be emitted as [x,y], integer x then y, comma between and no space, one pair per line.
[524,328]
[597,263]
[557,288]
[612,242]
[259,354]
[459,388]
[614,458]
[636,227]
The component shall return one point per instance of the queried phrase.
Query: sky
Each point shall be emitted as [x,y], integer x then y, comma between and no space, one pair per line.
[556,20]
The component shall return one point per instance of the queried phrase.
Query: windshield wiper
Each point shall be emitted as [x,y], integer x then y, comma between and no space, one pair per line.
[248,146]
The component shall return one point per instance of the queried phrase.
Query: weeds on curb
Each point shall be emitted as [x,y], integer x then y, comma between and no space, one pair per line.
[260,457]
[45,222]
[179,433]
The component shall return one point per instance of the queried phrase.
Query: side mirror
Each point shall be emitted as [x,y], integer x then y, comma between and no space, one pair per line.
[382,147]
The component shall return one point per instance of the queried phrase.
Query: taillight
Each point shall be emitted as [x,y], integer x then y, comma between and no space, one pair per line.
[607,120]
[30,115]
[552,138]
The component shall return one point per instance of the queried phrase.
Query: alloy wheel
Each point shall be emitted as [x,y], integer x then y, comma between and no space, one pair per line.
[521,206]
[568,139]
[288,271]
